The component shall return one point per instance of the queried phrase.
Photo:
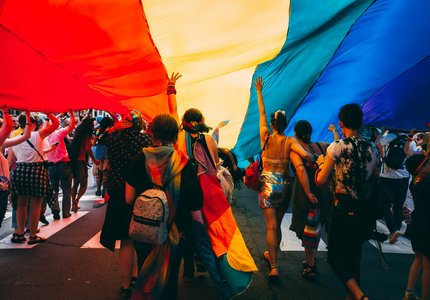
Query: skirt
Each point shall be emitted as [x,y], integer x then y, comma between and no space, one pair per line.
[31,179]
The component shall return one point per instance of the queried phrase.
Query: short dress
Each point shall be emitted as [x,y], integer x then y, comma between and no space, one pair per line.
[420,221]
[274,184]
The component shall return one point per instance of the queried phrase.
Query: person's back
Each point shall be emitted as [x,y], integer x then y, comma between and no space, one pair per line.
[276,155]
[342,151]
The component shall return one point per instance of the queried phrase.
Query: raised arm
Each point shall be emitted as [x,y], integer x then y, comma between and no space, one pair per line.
[171,95]
[50,128]
[6,127]
[72,123]
[20,138]
[333,129]
[264,128]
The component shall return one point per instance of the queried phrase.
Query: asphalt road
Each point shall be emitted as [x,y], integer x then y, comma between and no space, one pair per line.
[72,265]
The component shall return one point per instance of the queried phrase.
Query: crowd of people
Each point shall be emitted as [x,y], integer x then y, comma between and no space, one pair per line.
[330,189]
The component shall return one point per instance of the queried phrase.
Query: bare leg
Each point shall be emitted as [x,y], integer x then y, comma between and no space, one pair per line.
[354,289]
[82,189]
[21,214]
[35,206]
[272,237]
[414,270]
[310,256]
[425,285]
[126,262]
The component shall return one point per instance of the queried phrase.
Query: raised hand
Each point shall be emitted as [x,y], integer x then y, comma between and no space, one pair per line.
[174,77]
[259,84]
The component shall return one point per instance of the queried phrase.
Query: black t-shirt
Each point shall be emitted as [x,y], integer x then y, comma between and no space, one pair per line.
[191,195]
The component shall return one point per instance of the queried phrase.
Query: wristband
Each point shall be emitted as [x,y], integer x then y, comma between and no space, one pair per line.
[171,90]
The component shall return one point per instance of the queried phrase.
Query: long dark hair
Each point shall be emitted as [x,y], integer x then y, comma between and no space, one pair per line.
[83,131]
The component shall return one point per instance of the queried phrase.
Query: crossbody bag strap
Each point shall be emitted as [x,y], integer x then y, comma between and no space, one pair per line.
[260,162]
[32,146]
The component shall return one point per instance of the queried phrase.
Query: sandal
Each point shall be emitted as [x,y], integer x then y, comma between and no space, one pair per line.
[310,273]
[18,238]
[35,240]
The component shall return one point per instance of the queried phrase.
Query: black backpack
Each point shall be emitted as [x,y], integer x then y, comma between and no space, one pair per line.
[395,156]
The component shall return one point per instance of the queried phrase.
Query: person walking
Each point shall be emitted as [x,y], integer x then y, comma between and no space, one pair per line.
[275,181]
[30,179]
[309,202]
[60,170]
[348,157]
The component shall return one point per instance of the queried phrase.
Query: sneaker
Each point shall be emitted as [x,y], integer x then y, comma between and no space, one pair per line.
[393,237]
[56,215]
[43,220]
[410,296]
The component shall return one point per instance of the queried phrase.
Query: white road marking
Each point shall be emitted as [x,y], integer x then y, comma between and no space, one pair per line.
[94,242]
[45,231]
[289,241]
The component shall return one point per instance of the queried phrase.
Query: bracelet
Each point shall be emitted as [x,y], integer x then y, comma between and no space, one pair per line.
[316,178]
[171,90]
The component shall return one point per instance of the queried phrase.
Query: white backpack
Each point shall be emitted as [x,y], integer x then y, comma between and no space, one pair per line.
[149,223]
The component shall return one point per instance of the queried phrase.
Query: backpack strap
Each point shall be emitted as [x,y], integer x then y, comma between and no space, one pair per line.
[359,178]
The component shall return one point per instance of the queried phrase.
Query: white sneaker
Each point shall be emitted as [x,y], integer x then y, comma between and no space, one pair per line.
[393,237]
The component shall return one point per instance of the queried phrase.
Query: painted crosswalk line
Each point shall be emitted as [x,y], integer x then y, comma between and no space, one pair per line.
[402,246]
[94,242]
[289,241]
[45,231]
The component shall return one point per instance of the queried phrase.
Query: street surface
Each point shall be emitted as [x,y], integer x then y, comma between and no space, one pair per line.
[72,264]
